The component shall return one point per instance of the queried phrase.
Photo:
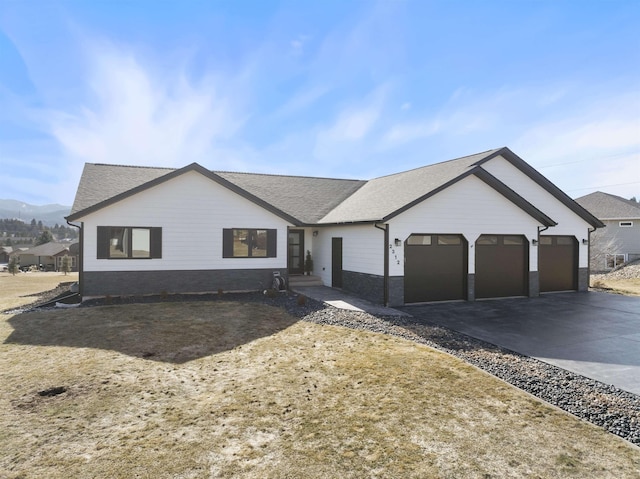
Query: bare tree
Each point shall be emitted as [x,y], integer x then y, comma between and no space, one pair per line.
[603,249]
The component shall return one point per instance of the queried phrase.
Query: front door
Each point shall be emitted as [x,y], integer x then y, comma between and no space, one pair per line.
[336,262]
[295,262]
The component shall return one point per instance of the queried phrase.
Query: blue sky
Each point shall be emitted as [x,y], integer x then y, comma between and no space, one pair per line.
[351,89]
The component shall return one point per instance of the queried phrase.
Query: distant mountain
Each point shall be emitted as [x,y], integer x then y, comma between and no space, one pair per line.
[48,214]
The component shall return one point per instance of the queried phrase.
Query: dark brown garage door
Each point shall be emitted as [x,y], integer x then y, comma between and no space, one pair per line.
[502,265]
[558,263]
[435,268]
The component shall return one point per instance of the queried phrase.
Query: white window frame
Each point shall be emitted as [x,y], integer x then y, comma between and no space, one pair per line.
[615,257]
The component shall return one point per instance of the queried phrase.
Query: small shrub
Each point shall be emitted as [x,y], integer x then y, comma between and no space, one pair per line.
[164,295]
[13,265]
[108,299]
[220,292]
[302,300]
[65,265]
[272,293]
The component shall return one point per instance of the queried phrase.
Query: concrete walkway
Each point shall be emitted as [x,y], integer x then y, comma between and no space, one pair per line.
[593,334]
[342,300]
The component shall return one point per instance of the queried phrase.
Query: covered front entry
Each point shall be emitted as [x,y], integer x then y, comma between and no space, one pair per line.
[435,268]
[558,263]
[295,258]
[502,265]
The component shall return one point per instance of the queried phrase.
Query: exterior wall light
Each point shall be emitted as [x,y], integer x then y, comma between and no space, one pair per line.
[585,241]
[534,242]
[315,233]
[397,242]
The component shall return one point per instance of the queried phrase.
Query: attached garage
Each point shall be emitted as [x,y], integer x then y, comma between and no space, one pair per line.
[435,268]
[558,263]
[502,265]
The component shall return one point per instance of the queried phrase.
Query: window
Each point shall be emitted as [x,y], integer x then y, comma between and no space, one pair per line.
[449,240]
[625,224]
[129,242]
[419,240]
[546,240]
[564,241]
[487,240]
[513,240]
[615,260]
[249,243]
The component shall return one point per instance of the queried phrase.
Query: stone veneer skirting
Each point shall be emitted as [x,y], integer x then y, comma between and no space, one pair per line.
[534,284]
[367,286]
[583,279]
[127,283]
[396,290]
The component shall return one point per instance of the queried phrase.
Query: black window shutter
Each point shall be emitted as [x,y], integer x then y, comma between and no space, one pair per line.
[272,243]
[227,243]
[103,242]
[156,242]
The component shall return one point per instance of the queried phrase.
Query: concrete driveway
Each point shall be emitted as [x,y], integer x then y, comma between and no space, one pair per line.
[593,334]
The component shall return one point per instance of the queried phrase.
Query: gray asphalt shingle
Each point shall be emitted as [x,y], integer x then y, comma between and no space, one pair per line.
[605,206]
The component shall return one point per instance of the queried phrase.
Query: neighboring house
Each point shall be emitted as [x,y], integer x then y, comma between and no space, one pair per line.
[48,256]
[5,252]
[482,226]
[619,242]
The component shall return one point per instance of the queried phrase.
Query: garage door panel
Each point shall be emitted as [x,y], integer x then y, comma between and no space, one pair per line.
[435,268]
[558,263]
[501,266]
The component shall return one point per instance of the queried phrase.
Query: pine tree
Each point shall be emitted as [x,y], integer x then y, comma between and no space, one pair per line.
[45,237]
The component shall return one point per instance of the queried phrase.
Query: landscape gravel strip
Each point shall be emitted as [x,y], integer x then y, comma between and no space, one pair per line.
[604,405]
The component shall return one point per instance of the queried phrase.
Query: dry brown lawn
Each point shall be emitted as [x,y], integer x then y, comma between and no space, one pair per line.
[224,389]
[629,287]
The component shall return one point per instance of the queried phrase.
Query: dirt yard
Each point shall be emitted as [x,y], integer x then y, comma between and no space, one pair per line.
[226,389]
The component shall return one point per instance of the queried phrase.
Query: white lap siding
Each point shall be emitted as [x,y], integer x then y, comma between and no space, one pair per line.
[469,207]
[192,211]
[569,223]
[362,250]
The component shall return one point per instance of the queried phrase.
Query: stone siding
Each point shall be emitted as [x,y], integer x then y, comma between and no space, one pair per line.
[127,283]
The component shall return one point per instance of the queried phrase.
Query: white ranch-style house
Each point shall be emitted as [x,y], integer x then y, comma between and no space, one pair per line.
[482,226]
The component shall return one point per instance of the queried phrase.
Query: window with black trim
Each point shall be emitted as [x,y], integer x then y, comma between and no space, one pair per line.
[249,243]
[129,242]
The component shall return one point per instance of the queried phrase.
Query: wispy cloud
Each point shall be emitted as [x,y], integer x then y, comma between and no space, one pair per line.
[137,117]
[350,128]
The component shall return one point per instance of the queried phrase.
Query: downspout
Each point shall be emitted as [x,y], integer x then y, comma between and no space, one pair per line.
[385,284]
[80,256]
[589,231]
[540,230]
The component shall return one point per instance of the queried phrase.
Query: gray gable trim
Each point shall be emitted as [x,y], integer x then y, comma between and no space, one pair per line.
[491,181]
[173,174]
[556,192]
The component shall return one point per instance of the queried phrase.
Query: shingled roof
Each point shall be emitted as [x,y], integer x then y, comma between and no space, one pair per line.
[381,197]
[308,200]
[46,249]
[609,207]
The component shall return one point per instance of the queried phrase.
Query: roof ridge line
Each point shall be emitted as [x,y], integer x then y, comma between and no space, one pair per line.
[493,150]
[280,175]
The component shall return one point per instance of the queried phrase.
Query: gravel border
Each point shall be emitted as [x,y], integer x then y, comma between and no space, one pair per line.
[611,408]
